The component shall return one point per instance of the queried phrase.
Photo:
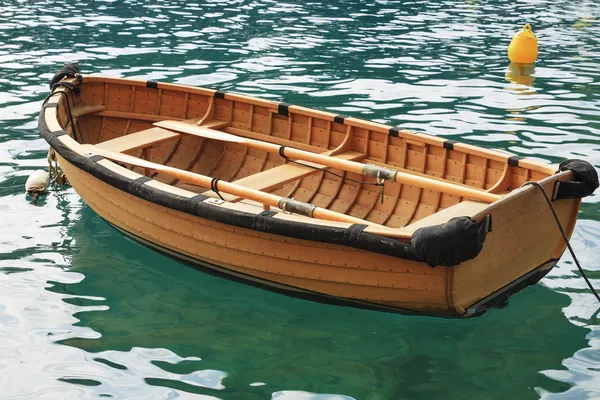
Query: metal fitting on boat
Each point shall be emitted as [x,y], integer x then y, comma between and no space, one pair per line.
[296,207]
[376,171]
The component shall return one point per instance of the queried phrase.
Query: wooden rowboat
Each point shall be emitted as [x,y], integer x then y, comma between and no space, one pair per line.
[307,202]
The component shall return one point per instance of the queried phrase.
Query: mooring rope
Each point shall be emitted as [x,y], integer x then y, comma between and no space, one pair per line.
[56,175]
[74,89]
[564,235]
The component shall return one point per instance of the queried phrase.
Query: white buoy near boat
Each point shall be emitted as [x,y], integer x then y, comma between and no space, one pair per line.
[37,184]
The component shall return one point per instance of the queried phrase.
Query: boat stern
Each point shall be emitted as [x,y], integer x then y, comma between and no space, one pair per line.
[524,245]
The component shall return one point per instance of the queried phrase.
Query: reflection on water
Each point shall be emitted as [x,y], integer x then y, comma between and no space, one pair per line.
[85,312]
[522,75]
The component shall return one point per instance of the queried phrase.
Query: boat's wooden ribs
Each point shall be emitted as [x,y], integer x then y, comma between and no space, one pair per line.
[108,109]
[276,177]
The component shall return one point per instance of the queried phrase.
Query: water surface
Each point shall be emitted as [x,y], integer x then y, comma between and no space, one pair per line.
[86,313]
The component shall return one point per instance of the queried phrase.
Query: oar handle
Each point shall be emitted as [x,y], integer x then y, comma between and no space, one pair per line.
[446,187]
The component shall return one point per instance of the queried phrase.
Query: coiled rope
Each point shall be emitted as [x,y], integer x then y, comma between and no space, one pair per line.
[57,177]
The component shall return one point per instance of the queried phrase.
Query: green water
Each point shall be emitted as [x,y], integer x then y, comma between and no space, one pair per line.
[86,313]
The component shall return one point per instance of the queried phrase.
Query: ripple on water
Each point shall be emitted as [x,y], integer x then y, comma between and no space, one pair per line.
[86,313]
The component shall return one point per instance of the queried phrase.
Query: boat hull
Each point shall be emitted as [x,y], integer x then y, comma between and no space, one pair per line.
[379,258]
[517,252]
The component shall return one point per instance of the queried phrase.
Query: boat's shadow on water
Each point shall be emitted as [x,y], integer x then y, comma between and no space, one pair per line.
[248,335]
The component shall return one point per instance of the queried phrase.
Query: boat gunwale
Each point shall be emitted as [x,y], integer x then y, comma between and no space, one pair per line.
[351,234]
[274,107]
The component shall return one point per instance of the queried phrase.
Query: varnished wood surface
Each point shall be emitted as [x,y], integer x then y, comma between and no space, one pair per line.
[119,113]
[130,108]
[335,270]
[277,176]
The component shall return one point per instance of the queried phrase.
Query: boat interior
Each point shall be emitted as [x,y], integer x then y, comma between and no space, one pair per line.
[119,115]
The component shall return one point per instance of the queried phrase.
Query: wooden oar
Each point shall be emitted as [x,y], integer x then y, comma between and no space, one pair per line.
[242,191]
[345,165]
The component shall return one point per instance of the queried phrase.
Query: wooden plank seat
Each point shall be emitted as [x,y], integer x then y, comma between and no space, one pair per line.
[271,178]
[464,208]
[148,137]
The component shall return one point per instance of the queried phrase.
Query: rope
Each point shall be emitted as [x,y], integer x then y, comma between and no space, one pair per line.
[564,235]
[57,177]
[75,90]
[71,119]
[213,187]
[281,149]
[69,86]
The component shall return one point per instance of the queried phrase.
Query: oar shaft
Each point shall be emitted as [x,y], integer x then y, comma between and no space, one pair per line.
[446,187]
[227,187]
[344,165]
[401,177]
[358,168]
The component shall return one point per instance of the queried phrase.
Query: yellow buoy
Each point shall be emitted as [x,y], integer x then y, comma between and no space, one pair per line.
[523,49]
